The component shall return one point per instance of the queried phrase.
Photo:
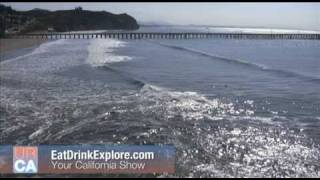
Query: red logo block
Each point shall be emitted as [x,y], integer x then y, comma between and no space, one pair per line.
[25,159]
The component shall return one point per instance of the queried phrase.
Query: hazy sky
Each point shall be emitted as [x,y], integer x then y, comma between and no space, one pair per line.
[274,15]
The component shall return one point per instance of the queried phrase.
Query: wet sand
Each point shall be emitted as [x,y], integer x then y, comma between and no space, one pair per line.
[9,45]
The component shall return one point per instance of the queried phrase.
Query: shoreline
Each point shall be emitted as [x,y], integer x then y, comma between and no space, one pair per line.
[11,48]
[10,45]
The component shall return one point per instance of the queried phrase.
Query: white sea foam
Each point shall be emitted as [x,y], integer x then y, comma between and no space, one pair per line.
[191,105]
[101,51]
[45,47]
[195,106]
[36,133]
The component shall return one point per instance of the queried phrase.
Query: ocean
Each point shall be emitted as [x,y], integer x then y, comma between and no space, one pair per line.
[231,107]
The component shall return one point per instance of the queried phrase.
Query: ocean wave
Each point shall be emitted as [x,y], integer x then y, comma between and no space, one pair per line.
[124,75]
[45,47]
[255,152]
[194,106]
[216,139]
[245,63]
[101,52]
[213,138]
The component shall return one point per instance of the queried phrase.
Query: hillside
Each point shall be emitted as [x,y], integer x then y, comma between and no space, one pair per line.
[66,20]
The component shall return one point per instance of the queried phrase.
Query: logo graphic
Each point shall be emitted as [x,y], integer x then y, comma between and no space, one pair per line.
[25,159]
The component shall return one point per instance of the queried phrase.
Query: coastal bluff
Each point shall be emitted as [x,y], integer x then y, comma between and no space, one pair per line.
[65,20]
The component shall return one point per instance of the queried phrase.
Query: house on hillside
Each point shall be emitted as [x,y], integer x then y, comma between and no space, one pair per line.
[51,29]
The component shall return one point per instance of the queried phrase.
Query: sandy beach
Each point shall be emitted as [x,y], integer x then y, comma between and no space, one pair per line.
[8,45]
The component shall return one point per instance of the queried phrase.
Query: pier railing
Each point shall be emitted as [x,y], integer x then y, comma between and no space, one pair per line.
[152,35]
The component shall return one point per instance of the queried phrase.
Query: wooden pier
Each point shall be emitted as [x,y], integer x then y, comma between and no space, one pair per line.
[152,35]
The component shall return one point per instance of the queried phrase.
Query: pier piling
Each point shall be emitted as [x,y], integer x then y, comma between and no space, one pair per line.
[152,35]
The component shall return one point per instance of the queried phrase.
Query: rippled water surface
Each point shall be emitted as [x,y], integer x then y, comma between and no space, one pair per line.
[232,108]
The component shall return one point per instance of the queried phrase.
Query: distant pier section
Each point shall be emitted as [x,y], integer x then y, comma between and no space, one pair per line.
[163,35]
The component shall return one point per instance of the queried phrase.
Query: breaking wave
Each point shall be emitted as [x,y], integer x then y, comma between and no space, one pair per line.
[45,47]
[245,63]
[124,75]
[101,52]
